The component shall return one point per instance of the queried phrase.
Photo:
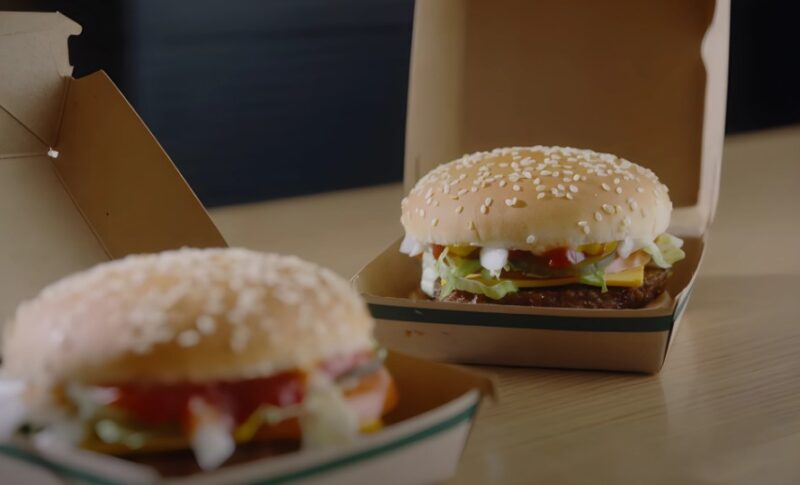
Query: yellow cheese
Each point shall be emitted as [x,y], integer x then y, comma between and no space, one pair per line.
[631,278]
[460,251]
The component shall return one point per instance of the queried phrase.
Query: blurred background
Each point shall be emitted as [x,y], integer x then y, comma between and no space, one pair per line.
[230,88]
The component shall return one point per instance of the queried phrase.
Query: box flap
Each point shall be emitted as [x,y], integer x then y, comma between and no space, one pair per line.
[125,185]
[32,92]
[109,190]
[647,82]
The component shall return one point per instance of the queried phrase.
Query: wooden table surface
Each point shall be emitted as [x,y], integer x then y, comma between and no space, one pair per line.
[724,409]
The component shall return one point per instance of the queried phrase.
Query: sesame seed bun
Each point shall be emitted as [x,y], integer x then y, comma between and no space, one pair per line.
[192,315]
[535,199]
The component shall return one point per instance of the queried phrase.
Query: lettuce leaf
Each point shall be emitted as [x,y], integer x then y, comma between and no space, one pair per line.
[665,250]
[453,271]
[595,278]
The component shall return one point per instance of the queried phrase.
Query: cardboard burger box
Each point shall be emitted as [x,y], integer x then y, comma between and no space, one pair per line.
[82,180]
[643,80]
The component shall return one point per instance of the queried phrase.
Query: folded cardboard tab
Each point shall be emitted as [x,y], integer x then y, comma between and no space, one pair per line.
[107,188]
[643,80]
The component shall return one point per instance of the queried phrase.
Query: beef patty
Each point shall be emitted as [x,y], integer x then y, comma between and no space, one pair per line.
[576,295]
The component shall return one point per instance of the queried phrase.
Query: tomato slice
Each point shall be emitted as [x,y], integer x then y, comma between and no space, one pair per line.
[437,250]
[558,258]
[156,405]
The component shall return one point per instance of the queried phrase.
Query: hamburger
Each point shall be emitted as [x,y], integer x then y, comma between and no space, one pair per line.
[202,349]
[541,226]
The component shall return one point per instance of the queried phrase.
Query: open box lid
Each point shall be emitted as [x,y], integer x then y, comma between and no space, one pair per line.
[107,189]
[643,80]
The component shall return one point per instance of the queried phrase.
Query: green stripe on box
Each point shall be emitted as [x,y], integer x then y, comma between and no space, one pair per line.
[404,441]
[56,468]
[544,322]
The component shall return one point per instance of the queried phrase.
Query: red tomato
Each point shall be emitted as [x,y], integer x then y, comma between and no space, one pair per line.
[437,250]
[164,404]
[558,258]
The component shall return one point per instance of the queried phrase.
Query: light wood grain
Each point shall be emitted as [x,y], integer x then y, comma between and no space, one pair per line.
[726,406]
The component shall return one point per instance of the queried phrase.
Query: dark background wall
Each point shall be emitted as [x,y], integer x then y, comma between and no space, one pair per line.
[259,99]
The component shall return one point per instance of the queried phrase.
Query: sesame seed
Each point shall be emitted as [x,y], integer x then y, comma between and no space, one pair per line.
[527,174]
[598,216]
[188,338]
[511,202]
[462,192]
[488,202]
[206,324]
[609,209]
[561,187]
[582,223]
[530,239]
[605,186]
[569,196]
[586,230]
[471,226]
[434,221]
[639,189]
[483,209]
[503,183]
[573,188]
[436,203]
[422,212]
[618,190]
[516,188]
[545,172]
[541,195]
[473,189]
[446,189]
[576,177]
[540,188]
[459,209]
[616,181]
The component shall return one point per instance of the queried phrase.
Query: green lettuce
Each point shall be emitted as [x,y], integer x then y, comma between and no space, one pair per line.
[665,250]
[595,278]
[453,270]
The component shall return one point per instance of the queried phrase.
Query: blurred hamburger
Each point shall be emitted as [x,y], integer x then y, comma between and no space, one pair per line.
[194,348]
[542,226]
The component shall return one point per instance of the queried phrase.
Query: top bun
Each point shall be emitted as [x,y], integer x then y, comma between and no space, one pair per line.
[535,199]
[192,315]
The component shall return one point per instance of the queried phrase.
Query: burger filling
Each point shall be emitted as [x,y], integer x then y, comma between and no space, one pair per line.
[330,404]
[497,272]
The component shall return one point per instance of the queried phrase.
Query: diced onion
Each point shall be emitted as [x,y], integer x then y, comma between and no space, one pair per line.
[411,246]
[211,438]
[328,418]
[625,248]
[494,259]
[429,274]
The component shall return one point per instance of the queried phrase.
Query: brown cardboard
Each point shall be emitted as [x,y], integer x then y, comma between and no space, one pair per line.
[420,443]
[644,80]
[110,192]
